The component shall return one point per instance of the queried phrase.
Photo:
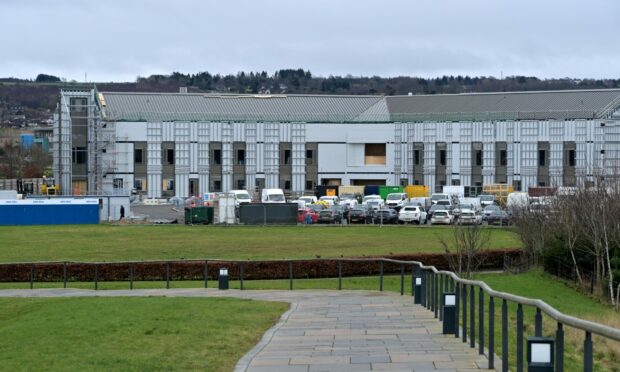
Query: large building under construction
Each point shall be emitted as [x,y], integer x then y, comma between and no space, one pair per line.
[180,144]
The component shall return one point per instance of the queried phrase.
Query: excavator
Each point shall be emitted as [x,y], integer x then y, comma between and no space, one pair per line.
[49,187]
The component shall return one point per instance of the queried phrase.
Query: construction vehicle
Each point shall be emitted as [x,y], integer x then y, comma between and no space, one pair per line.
[48,187]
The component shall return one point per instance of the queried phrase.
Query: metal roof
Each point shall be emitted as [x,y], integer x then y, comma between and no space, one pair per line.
[568,104]
[228,107]
[574,104]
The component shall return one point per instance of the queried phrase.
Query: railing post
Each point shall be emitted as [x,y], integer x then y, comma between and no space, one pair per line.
[538,323]
[96,277]
[457,291]
[422,275]
[339,274]
[402,279]
[480,321]
[464,313]
[587,353]
[491,356]
[559,348]
[206,273]
[380,276]
[441,291]
[436,294]
[412,280]
[504,336]
[32,277]
[64,275]
[472,317]
[167,275]
[131,277]
[520,338]
[241,276]
[290,275]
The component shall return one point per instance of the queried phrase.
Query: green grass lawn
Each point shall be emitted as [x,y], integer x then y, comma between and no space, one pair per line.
[122,243]
[130,334]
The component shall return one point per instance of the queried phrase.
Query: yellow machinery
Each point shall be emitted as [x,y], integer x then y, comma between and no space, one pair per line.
[48,187]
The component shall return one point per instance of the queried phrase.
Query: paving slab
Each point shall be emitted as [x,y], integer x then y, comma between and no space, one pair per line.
[331,331]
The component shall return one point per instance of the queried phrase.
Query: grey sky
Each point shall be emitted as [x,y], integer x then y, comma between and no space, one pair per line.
[117,40]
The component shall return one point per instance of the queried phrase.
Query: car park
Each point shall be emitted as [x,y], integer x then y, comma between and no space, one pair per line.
[469,217]
[498,217]
[330,215]
[442,217]
[385,216]
[412,213]
[360,214]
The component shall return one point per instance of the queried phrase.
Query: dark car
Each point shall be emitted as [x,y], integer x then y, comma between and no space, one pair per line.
[330,215]
[344,210]
[498,218]
[315,207]
[360,214]
[385,216]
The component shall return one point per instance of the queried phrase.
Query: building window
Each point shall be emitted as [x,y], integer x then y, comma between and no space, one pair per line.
[542,154]
[572,160]
[309,185]
[516,185]
[169,156]
[374,153]
[442,157]
[404,182]
[478,158]
[287,184]
[287,157]
[309,156]
[79,155]
[416,157]
[503,158]
[118,183]
[456,182]
[240,157]
[217,185]
[137,185]
[240,184]
[137,156]
[217,157]
[168,185]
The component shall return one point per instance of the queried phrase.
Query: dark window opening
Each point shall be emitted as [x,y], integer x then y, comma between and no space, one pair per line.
[456,182]
[416,157]
[442,157]
[118,183]
[137,156]
[217,157]
[516,185]
[374,153]
[309,156]
[217,185]
[309,185]
[287,185]
[542,154]
[240,157]
[572,160]
[479,158]
[287,157]
[137,184]
[503,158]
[79,155]
[170,156]
[240,184]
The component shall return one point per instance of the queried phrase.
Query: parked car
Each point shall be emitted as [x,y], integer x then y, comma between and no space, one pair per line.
[375,204]
[442,217]
[360,214]
[308,199]
[412,213]
[490,209]
[315,207]
[396,200]
[469,217]
[302,215]
[368,198]
[331,200]
[330,215]
[433,209]
[486,200]
[385,216]
[498,218]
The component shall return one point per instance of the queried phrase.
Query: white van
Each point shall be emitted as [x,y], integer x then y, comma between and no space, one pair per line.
[273,196]
[396,200]
[241,197]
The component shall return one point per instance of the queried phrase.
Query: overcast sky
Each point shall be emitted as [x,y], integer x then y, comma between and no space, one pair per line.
[117,40]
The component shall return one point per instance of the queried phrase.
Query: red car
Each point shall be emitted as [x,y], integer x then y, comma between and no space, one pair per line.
[302,215]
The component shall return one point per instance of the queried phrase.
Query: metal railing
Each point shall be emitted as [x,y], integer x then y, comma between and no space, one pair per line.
[434,284]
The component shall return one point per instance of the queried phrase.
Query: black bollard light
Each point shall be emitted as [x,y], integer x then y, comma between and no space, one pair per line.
[539,354]
[223,278]
[449,313]
[417,291]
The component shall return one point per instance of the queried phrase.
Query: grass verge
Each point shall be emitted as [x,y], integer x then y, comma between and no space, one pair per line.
[169,242]
[131,334]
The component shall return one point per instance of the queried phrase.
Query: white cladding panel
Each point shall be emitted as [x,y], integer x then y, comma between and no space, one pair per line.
[332,157]
[131,131]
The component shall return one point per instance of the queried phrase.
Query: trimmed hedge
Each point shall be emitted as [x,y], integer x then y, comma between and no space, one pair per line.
[195,269]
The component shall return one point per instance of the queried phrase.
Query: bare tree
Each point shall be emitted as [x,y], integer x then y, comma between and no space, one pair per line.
[465,250]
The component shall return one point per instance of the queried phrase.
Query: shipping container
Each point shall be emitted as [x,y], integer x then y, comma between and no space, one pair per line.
[385,190]
[541,191]
[417,191]
[199,215]
[351,190]
[326,190]
[371,190]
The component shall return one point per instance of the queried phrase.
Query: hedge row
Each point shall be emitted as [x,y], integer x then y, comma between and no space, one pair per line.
[195,269]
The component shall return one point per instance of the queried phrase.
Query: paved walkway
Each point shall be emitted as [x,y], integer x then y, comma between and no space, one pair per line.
[333,331]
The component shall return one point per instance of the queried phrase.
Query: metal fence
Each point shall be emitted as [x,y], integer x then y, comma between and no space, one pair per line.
[433,285]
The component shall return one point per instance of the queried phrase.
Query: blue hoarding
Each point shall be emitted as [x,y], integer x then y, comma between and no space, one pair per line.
[49,212]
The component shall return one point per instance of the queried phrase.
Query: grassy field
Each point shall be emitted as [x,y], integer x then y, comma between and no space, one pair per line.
[130,334]
[121,243]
